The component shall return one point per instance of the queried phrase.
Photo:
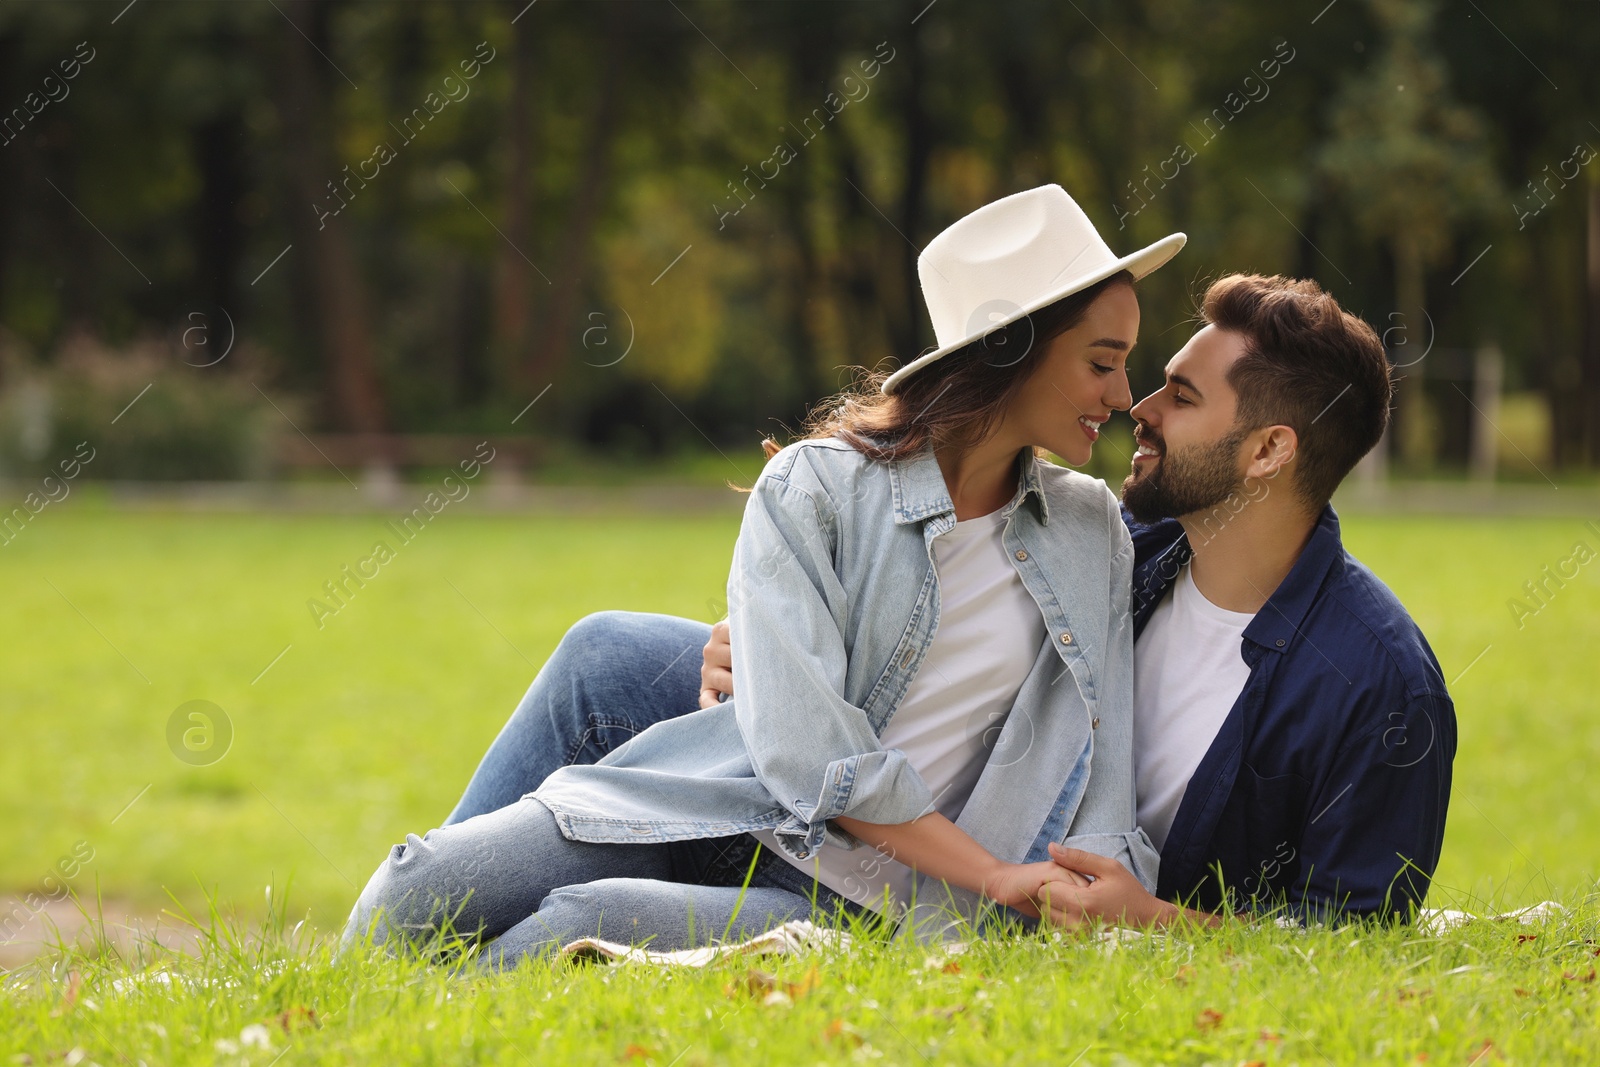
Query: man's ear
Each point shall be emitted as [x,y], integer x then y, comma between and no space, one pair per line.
[1273,450]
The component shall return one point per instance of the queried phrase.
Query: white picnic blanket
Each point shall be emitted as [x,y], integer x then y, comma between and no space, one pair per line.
[800,936]
[789,939]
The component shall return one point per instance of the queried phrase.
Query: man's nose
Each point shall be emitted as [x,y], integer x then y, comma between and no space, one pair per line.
[1144,410]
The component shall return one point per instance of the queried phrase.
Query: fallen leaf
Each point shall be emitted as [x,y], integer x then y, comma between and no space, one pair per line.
[1271,1037]
[1519,991]
[1523,939]
[1208,1020]
[811,980]
[1572,977]
[298,1017]
[755,983]
[638,1052]
[69,996]
[1185,973]
[950,968]
[844,1033]
[1404,995]
[770,990]
[1485,1051]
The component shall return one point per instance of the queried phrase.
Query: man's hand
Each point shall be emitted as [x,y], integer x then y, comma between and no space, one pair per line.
[716,666]
[1115,896]
[1044,891]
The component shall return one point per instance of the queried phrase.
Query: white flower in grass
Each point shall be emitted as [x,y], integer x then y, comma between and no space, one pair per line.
[255,1036]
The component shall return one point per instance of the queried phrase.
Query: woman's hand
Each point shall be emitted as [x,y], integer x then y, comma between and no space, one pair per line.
[716,666]
[1116,896]
[1045,891]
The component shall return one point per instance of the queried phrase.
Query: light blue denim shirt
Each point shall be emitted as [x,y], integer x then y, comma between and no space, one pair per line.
[833,602]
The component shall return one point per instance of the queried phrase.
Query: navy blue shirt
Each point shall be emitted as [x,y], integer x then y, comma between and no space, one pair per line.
[1326,787]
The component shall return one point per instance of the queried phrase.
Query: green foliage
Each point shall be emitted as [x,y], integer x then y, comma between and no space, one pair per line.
[145,414]
[171,170]
[1410,162]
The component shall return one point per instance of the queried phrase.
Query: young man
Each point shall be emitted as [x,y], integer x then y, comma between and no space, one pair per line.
[1293,735]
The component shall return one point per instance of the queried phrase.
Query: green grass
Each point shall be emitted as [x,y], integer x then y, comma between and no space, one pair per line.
[368,728]
[1487,992]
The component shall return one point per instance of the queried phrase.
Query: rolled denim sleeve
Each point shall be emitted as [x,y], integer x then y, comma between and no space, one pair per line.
[814,751]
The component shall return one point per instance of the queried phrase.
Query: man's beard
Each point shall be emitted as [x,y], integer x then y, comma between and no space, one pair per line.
[1191,479]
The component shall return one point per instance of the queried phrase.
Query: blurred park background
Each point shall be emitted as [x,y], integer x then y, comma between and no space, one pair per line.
[408,220]
[271,269]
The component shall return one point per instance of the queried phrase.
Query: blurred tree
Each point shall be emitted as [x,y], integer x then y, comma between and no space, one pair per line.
[1411,166]
[557,329]
[515,274]
[594,144]
[307,109]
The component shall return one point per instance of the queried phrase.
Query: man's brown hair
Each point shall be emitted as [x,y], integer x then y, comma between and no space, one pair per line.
[1308,364]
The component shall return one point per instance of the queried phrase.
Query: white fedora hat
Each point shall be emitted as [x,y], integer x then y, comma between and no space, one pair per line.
[1011,258]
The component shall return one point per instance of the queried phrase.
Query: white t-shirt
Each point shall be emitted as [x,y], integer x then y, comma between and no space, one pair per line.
[1187,673]
[989,634]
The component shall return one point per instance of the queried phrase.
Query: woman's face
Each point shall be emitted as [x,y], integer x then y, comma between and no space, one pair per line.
[1080,381]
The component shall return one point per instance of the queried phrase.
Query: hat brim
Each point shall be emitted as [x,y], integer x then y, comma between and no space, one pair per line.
[1138,264]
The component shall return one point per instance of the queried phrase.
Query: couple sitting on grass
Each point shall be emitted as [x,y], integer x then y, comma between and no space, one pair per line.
[958,688]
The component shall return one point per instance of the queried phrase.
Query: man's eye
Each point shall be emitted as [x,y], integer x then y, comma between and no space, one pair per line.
[1179,398]
[1101,368]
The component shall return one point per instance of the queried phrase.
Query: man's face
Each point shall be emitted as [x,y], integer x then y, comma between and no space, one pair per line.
[1188,458]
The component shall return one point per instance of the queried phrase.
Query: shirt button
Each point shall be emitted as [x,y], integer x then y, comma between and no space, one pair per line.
[1021,554]
[1066,639]
[1280,642]
[1096,724]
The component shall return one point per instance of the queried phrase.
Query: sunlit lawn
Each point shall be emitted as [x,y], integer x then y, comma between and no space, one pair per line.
[368,727]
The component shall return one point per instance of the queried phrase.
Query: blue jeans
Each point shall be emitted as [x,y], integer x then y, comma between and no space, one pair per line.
[612,675]
[501,872]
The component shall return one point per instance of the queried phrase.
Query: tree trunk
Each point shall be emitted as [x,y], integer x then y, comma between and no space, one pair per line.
[852,273]
[324,246]
[560,321]
[514,277]
[1591,361]
[910,329]
[218,236]
[1412,426]
[10,161]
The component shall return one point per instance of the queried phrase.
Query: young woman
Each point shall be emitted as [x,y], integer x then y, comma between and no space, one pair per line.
[933,666]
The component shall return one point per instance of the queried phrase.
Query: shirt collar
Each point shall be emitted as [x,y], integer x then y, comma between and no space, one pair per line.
[920,492]
[1280,618]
